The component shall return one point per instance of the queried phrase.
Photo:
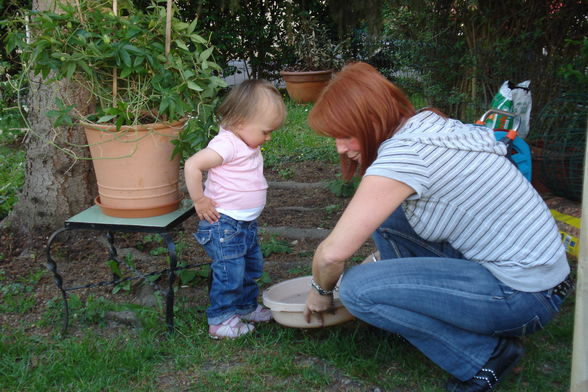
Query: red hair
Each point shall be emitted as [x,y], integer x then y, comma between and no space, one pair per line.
[360,102]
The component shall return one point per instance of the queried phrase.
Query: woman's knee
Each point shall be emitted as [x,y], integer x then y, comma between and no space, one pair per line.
[350,285]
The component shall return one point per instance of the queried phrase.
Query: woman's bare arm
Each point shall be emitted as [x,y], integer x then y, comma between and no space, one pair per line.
[375,199]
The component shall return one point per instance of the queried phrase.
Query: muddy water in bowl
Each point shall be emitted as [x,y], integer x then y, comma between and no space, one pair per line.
[286,300]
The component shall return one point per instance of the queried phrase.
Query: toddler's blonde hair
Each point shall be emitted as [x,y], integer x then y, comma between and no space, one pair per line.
[245,100]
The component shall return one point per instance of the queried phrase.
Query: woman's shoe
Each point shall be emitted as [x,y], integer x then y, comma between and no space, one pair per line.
[505,356]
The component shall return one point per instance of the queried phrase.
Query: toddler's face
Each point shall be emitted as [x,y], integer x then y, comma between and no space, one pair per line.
[258,130]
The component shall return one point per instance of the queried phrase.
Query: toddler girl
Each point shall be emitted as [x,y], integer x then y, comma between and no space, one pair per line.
[233,197]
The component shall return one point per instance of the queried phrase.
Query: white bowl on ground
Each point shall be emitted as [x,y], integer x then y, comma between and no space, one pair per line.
[287,300]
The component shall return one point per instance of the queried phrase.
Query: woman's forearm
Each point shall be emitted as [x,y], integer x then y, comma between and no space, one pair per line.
[326,270]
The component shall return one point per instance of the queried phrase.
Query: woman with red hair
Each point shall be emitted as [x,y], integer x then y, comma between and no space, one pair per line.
[470,258]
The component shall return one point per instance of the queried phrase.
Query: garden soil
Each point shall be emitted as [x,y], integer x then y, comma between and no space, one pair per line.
[300,212]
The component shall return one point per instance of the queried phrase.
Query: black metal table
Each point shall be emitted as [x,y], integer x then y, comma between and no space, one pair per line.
[93,219]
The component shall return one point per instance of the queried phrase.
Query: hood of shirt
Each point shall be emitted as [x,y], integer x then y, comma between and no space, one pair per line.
[431,129]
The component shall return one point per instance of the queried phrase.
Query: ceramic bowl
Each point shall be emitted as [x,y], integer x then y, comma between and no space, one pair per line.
[287,299]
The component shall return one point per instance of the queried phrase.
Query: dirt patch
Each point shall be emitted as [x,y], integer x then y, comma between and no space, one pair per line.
[81,256]
[292,218]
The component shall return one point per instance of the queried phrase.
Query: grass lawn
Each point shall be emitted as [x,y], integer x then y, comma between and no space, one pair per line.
[351,357]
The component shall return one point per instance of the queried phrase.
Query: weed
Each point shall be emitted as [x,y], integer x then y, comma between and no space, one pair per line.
[18,296]
[273,245]
[332,209]
[264,279]
[115,267]
[160,250]
[186,276]
[342,188]
[124,286]
[286,173]
[302,270]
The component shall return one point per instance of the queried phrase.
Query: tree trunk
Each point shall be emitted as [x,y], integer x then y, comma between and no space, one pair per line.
[56,185]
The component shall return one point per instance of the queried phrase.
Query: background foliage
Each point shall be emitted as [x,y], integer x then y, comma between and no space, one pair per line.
[452,54]
[462,50]
[9,71]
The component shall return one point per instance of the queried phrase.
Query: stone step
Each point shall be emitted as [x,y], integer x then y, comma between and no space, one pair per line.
[297,185]
[296,233]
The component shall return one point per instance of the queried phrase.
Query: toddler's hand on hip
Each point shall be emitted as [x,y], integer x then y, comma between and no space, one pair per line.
[205,208]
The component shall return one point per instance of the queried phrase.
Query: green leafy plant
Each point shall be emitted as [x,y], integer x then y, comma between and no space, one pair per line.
[122,61]
[274,245]
[342,188]
[576,72]
[186,276]
[301,270]
[332,209]
[18,295]
[286,173]
[264,279]
[12,170]
[314,48]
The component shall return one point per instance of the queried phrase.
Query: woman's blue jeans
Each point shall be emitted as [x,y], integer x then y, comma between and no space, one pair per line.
[237,262]
[452,309]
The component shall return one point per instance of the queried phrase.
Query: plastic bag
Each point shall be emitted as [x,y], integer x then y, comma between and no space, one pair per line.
[521,98]
[515,99]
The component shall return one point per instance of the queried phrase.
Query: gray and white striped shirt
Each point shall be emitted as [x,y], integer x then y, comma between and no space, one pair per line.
[470,195]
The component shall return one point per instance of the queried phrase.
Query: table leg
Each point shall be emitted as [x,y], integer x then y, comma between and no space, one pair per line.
[171,276]
[52,266]
[113,255]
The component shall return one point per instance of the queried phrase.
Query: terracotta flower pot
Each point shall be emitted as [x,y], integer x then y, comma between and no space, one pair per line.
[305,87]
[136,176]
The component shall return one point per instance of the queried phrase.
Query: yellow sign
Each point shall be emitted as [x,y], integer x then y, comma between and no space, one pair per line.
[571,243]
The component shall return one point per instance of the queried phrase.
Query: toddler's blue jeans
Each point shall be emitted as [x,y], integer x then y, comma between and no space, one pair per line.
[452,309]
[237,263]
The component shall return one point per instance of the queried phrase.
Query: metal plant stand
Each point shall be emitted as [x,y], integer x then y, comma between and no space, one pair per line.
[93,219]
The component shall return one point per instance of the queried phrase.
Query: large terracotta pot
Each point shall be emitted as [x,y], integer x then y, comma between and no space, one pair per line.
[136,176]
[305,87]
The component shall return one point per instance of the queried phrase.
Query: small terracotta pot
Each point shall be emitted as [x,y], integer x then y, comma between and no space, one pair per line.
[305,87]
[136,176]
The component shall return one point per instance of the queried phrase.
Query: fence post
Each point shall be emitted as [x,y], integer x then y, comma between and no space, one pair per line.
[579,381]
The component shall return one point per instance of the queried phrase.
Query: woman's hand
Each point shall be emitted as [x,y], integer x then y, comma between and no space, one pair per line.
[205,208]
[316,304]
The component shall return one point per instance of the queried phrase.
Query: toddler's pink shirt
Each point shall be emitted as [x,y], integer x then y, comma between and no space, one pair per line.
[238,183]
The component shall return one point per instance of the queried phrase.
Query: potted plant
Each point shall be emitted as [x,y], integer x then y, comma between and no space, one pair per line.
[147,71]
[317,57]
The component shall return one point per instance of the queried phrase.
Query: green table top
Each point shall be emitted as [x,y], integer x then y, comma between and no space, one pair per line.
[93,218]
